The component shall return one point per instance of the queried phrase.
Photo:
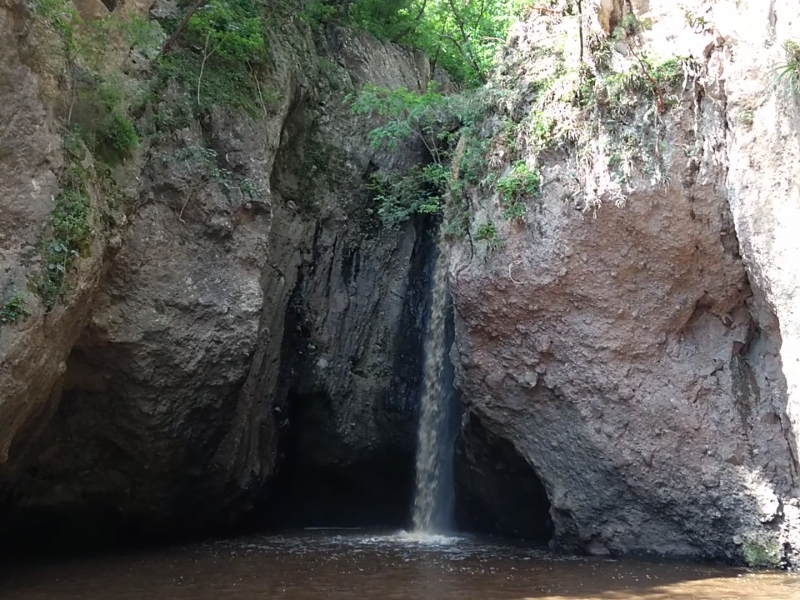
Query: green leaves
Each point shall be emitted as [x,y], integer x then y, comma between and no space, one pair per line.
[409,114]
[233,30]
[446,126]
[400,196]
[486,232]
[520,182]
[14,310]
[788,73]
[222,55]
[461,36]
[72,233]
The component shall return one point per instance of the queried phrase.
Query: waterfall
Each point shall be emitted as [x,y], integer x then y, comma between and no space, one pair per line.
[433,497]
[434,448]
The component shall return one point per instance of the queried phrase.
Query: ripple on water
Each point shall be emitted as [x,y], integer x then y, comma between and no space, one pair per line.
[375,565]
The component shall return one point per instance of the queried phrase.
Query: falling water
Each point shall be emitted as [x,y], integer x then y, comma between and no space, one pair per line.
[430,512]
[433,497]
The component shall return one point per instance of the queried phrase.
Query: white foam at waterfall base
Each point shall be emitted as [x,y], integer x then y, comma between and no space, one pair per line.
[423,538]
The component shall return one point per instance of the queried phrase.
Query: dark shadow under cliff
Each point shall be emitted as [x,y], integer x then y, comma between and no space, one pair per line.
[497,491]
[347,457]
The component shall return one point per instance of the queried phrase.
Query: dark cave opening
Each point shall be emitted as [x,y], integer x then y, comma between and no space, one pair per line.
[497,491]
[320,484]
[328,478]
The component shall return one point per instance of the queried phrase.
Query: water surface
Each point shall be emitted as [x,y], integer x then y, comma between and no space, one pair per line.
[362,565]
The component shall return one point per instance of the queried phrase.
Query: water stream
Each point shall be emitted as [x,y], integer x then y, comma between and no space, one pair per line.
[430,499]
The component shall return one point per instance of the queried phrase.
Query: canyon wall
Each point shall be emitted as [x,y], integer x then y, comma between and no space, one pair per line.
[156,394]
[638,354]
[626,350]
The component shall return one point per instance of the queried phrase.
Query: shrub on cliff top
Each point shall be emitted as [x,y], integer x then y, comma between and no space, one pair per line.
[229,30]
[223,56]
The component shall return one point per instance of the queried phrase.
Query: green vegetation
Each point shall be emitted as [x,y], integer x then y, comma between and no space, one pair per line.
[445,126]
[420,190]
[221,54]
[231,30]
[219,50]
[408,116]
[71,226]
[97,104]
[622,91]
[120,134]
[461,36]
[486,232]
[520,182]
[788,73]
[102,121]
[14,310]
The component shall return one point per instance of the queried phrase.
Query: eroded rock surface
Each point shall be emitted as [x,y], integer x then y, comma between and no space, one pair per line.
[764,195]
[637,361]
[623,350]
[169,412]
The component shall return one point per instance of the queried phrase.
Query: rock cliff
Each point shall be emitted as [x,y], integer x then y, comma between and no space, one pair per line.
[636,354]
[237,327]
[249,279]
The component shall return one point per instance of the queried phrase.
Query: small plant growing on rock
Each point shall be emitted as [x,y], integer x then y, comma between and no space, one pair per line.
[473,162]
[14,310]
[520,182]
[515,211]
[486,232]
[120,134]
[762,552]
[788,73]
[71,233]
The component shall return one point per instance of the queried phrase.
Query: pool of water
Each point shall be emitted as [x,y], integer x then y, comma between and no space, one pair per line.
[343,564]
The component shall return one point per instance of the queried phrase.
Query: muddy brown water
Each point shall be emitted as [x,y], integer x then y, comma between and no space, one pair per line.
[370,566]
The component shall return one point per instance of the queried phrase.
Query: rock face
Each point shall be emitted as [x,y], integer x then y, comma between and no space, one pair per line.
[250,333]
[32,353]
[764,195]
[630,354]
[166,404]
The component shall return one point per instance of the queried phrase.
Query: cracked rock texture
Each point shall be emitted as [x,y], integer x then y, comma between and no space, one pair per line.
[153,398]
[633,366]
[640,358]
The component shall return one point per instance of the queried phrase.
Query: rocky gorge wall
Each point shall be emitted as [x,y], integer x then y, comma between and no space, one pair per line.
[626,353]
[156,396]
[636,354]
